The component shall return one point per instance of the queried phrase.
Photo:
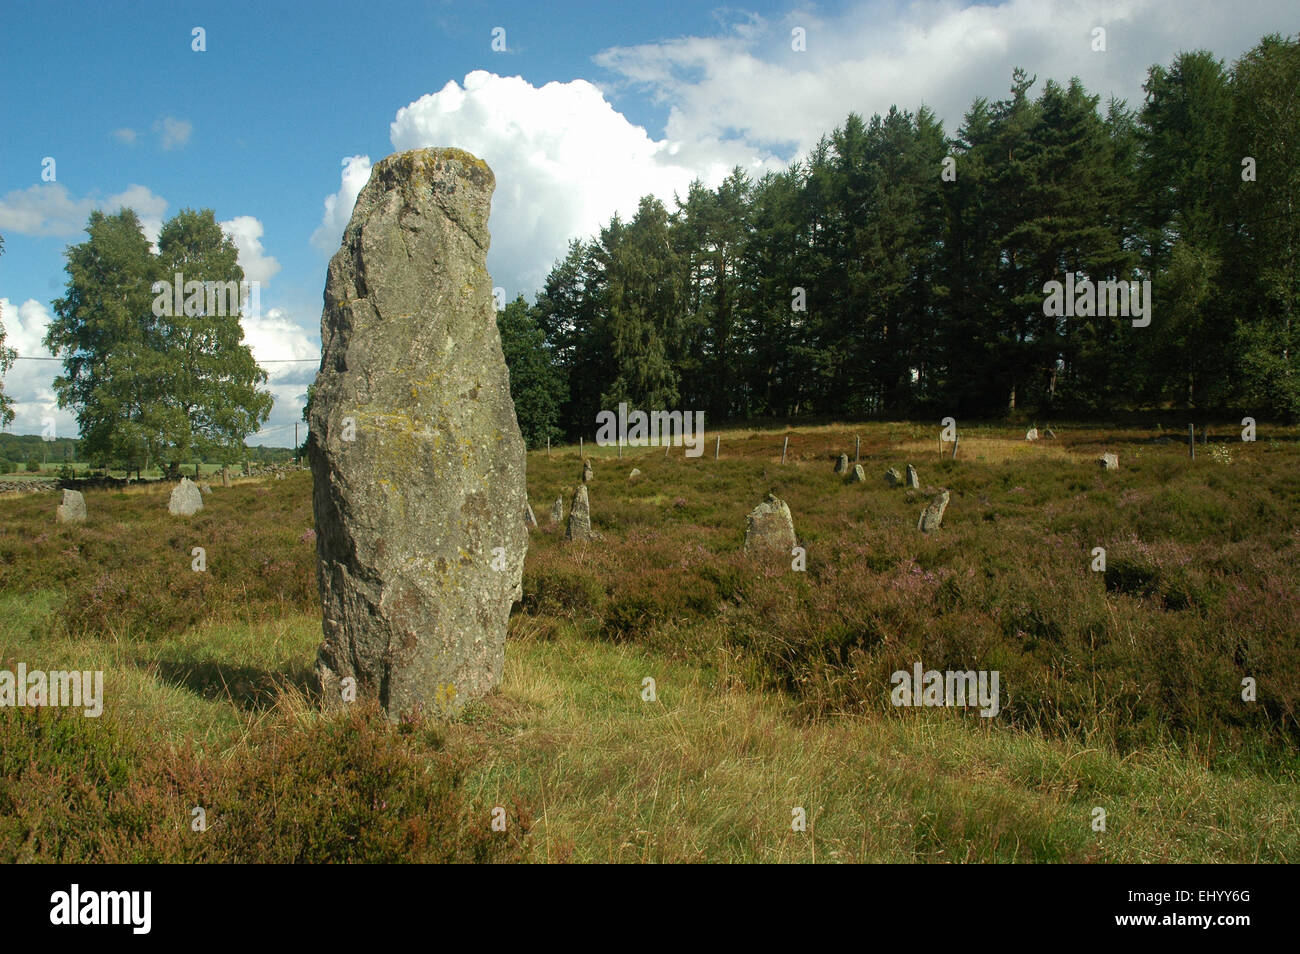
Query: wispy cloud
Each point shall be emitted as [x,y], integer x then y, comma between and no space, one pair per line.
[173,133]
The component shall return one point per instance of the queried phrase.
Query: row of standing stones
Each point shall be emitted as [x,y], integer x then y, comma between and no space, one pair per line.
[186,497]
[769,527]
[186,500]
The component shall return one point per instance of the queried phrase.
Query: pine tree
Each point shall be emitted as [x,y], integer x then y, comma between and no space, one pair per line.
[1264,238]
[536,383]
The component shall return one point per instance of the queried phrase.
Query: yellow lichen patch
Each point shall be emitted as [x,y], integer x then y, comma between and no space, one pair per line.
[460,155]
[444,695]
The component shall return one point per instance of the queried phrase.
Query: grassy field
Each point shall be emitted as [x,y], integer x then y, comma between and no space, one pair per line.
[81,470]
[1121,690]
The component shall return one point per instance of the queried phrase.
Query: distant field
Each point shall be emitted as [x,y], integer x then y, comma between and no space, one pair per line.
[1121,689]
[84,470]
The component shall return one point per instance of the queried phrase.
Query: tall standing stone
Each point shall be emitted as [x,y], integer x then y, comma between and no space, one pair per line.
[557,510]
[587,472]
[857,475]
[530,521]
[579,527]
[185,500]
[932,515]
[769,530]
[842,464]
[416,456]
[913,481]
[73,508]
[225,475]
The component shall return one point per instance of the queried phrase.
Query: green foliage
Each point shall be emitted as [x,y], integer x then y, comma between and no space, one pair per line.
[1264,246]
[536,384]
[148,385]
[352,788]
[7,356]
[924,294]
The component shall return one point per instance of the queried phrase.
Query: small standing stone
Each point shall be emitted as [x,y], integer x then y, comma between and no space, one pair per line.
[530,521]
[579,527]
[913,481]
[587,472]
[842,464]
[1109,461]
[205,488]
[636,472]
[1031,434]
[893,477]
[186,500]
[73,508]
[858,475]
[932,515]
[770,529]
[225,475]
[557,510]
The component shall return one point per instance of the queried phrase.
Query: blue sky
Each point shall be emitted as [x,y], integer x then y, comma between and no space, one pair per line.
[592,104]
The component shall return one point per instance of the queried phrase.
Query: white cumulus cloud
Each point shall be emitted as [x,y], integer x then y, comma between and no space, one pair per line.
[750,83]
[246,232]
[274,337]
[30,384]
[338,207]
[565,160]
[50,209]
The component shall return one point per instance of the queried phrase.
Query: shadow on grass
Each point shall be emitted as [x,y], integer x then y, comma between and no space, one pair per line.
[248,688]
